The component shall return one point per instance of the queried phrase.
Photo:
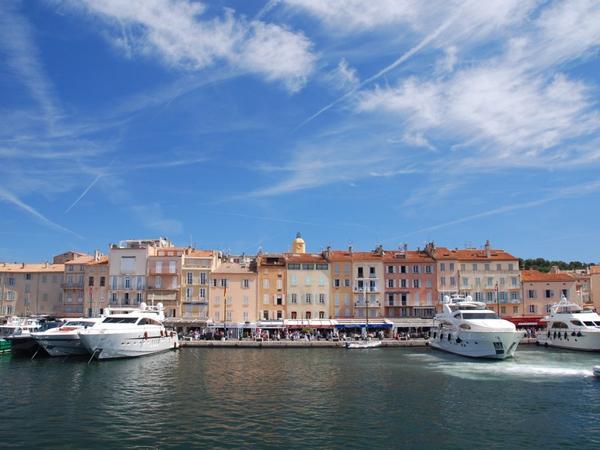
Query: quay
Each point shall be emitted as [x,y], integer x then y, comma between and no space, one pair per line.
[306,344]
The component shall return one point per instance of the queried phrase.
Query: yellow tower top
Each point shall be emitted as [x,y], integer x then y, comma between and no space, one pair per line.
[298,245]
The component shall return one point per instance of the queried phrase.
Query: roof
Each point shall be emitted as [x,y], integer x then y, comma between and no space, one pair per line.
[81,259]
[102,260]
[200,253]
[536,275]
[366,256]
[406,255]
[27,268]
[340,255]
[594,270]
[472,254]
[304,258]
[232,267]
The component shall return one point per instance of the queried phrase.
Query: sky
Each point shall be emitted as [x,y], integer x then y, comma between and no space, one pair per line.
[235,124]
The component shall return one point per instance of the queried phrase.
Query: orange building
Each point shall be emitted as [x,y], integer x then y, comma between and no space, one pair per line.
[341,296]
[271,286]
[541,290]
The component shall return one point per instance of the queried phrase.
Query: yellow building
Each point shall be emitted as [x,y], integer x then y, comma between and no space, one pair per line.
[307,286]
[271,286]
[95,295]
[196,269]
[27,289]
[341,293]
[74,285]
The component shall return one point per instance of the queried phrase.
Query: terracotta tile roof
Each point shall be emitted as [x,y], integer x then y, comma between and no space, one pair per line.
[304,258]
[233,268]
[81,259]
[407,256]
[594,270]
[366,256]
[340,255]
[37,267]
[102,260]
[536,275]
[471,254]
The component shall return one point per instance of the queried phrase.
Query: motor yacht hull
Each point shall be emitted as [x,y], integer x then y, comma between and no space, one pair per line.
[127,344]
[489,344]
[22,344]
[363,344]
[585,340]
[61,344]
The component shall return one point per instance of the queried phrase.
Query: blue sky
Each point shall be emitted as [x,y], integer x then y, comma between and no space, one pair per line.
[234,124]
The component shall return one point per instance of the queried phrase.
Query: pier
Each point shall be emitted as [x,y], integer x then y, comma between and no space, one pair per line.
[306,344]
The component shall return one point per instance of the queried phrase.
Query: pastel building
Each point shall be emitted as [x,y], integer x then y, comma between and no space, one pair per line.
[95,294]
[488,275]
[541,290]
[308,282]
[594,272]
[74,284]
[368,283]
[31,289]
[196,269]
[410,281]
[272,283]
[164,279]
[128,267]
[341,288]
[232,293]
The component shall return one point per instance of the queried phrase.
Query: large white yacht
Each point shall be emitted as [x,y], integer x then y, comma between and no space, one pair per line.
[467,328]
[64,340]
[572,327]
[128,333]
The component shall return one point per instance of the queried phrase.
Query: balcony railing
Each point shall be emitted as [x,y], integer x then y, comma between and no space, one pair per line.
[360,289]
[196,301]
[72,285]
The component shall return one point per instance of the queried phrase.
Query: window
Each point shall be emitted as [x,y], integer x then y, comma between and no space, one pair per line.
[322,298]
[265,299]
[474,267]
[138,297]
[347,282]
[404,299]
[503,310]
[337,299]
[478,282]
[245,300]
[202,293]
[443,281]
[390,269]
[515,310]
[102,281]
[157,282]
[428,269]
[463,267]
[490,281]
[452,281]
[478,297]
[337,268]
[294,280]
[172,266]
[321,314]
[416,283]
[360,273]
[294,315]
[245,283]
[190,278]
[548,293]
[336,283]
[293,266]
[371,271]
[217,300]
[510,267]
[403,269]
[308,315]
[279,283]
[127,282]
[465,282]
[265,283]
[487,267]
[346,268]
[28,276]
[403,283]
[228,315]
[188,293]
[294,298]
[308,298]
[451,267]
[306,266]
[390,283]
[307,281]
[390,299]
[127,264]
[442,267]
[514,296]
[223,282]
[90,281]
[428,283]
[322,266]
[498,267]
[565,293]
[202,277]
[321,281]
[415,269]
[44,278]
[140,282]
[113,297]
[489,297]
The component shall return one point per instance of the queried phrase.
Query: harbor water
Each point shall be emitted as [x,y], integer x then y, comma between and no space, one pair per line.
[303,398]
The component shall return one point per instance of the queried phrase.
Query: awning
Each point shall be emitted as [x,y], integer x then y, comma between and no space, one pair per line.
[346,324]
[527,321]
[232,325]
[310,323]
[270,324]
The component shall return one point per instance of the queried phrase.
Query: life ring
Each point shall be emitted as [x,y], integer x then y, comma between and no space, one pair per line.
[145,335]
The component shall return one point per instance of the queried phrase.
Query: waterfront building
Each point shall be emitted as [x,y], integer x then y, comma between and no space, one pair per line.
[74,285]
[272,282]
[341,295]
[488,275]
[541,290]
[164,279]
[367,274]
[410,284]
[196,269]
[95,294]
[128,266]
[27,289]
[232,293]
[307,287]
[594,273]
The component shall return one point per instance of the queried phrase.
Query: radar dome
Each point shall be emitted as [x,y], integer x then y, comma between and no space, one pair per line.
[160,306]
[143,306]
[469,298]
[446,299]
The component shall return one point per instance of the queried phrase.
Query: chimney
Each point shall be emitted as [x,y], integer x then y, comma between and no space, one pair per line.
[487,248]
[554,269]
[327,252]
[350,249]
[22,265]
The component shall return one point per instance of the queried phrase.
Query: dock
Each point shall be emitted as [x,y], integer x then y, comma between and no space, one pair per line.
[306,344]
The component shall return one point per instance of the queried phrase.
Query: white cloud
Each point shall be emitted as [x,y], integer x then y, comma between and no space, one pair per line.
[178,32]
[343,77]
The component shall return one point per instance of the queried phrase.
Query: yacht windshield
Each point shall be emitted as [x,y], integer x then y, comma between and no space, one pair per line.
[479,315]
[78,323]
[589,323]
[120,320]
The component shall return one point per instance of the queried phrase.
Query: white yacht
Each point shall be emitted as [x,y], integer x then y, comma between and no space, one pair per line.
[64,340]
[128,333]
[572,327]
[467,328]
[17,331]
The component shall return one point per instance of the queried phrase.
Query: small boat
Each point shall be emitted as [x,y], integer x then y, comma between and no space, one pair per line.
[596,371]
[468,328]
[17,331]
[362,344]
[571,327]
[128,333]
[4,346]
[64,340]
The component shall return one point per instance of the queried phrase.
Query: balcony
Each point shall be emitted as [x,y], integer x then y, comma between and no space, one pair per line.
[164,288]
[360,289]
[196,301]
[72,285]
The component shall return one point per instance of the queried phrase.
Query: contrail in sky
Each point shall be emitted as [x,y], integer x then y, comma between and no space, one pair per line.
[84,193]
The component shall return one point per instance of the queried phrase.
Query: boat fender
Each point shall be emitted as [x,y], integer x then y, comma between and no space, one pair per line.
[555,335]
[573,333]
[566,335]
[145,335]
[579,334]
[449,337]
[458,340]
[548,334]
